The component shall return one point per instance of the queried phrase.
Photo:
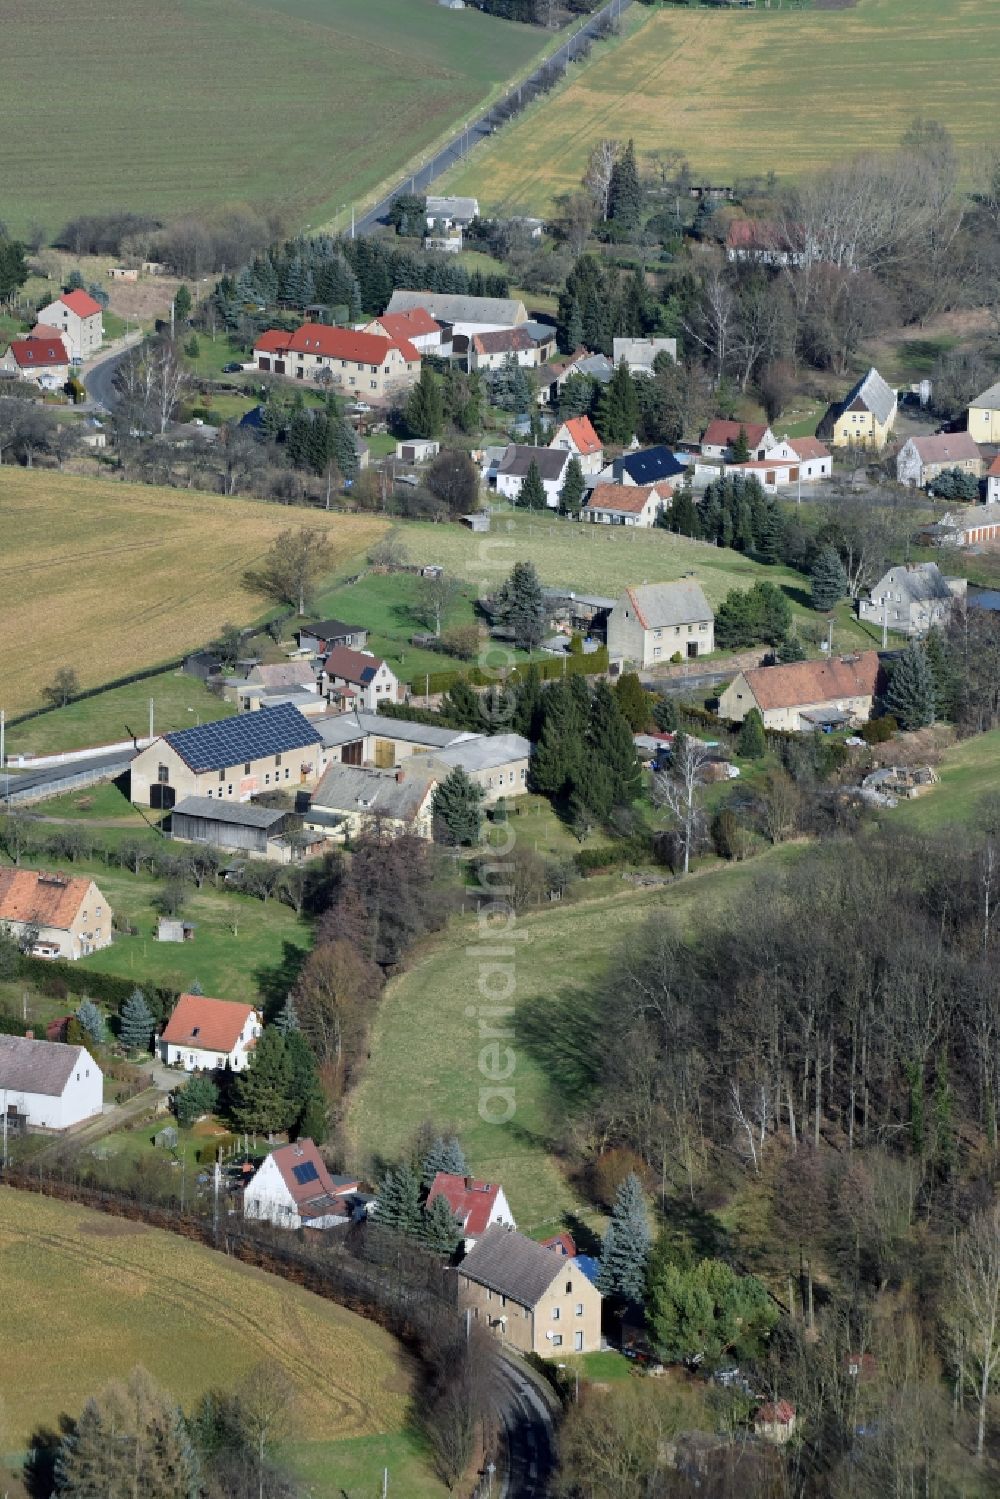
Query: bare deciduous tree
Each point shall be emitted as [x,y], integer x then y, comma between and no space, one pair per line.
[678,790]
[976,1307]
[600,169]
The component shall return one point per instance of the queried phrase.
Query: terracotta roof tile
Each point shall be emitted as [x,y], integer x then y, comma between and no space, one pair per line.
[721,434]
[471,1201]
[804,682]
[42,899]
[80,302]
[629,498]
[39,353]
[582,435]
[207,1024]
[353,666]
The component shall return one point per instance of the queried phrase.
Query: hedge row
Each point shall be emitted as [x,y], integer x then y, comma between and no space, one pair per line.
[60,978]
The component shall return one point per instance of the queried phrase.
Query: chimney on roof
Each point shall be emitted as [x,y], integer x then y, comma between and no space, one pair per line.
[29,1035]
[470,1182]
[400,775]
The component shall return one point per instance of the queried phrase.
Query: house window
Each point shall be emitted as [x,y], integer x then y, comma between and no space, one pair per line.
[222,775]
[246,768]
[163,774]
[578,1342]
[267,778]
[277,759]
[569,1287]
[557,1340]
[229,790]
[555,1313]
[579,1309]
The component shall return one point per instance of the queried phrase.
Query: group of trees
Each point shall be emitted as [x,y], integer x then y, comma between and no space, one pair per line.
[585,759]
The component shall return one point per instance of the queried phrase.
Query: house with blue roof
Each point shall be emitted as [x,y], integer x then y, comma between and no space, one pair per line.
[644,466]
[233,759]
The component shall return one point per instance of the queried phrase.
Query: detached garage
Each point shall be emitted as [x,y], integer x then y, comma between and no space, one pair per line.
[48,1085]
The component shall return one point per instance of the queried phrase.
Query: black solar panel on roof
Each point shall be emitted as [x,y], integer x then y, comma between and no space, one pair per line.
[305,1173]
[249,736]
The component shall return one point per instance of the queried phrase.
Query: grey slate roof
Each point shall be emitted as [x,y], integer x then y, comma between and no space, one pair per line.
[506,311]
[349,788]
[283,674]
[989,400]
[38,1066]
[920,583]
[597,366]
[661,604]
[642,350]
[874,395]
[465,209]
[519,457]
[250,736]
[241,814]
[505,1261]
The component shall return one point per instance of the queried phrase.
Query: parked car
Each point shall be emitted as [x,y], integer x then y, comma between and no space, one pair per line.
[231,369]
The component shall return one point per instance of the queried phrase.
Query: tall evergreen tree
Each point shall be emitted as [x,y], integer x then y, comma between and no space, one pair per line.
[633,700]
[573,489]
[557,767]
[198,1096]
[130,1439]
[286,1019]
[828,580]
[741,447]
[910,695]
[262,1095]
[625,196]
[531,495]
[613,778]
[91,1021]
[618,408]
[457,808]
[752,743]
[771,538]
[425,405]
[625,1250]
[682,515]
[521,606]
[137,1022]
[443,1155]
[440,1231]
[399,1201]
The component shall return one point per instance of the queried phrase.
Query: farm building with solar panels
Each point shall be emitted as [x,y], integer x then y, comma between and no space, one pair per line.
[293,1189]
[235,758]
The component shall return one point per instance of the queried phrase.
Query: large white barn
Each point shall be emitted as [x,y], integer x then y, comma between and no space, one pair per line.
[51,1085]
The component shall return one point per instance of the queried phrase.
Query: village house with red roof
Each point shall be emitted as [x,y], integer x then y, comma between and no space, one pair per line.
[204,1034]
[577,436]
[362,364]
[627,504]
[80,320]
[721,436]
[42,361]
[806,695]
[55,916]
[358,679]
[476,1204]
[414,326]
[292,1188]
[808,455]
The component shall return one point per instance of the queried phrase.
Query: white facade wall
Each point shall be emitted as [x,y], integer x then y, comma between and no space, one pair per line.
[83,335]
[267,1197]
[197,1059]
[510,488]
[82,1098]
[383,688]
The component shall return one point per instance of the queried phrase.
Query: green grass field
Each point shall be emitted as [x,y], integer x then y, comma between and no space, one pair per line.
[178,702]
[752,91]
[603,560]
[87,1297]
[293,106]
[969,772]
[425,1041]
[242,949]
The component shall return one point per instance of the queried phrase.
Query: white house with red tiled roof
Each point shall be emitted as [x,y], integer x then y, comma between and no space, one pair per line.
[292,1188]
[52,915]
[364,364]
[79,319]
[812,457]
[627,504]
[477,1205]
[721,436]
[577,436]
[42,361]
[203,1034]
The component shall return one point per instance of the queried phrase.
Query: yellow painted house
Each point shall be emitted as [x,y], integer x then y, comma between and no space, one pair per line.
[984,416]
[866,416]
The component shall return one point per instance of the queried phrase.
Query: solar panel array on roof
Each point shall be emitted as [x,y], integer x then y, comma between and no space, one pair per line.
[305,1173]
[249,736]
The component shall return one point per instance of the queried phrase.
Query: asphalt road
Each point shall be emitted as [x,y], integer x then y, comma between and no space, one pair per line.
[52,777]
[98,381]
[526,1416]
[464,140]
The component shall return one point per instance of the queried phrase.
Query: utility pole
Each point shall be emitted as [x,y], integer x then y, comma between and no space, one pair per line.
[151,720]
[215,1200]
[829,638]
[3,737]
[885,622]
[385,1482]
[352,220]
[172,300]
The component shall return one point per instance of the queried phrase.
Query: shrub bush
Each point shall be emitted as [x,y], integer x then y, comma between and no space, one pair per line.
[879,730]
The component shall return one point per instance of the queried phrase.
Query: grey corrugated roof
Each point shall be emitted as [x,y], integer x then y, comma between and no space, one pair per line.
[874,394]
[643,350]
[507,311]
[661,604]
[241,814]
[463,208]
[349,788]
[345,728]
[38,1066]
[519,457]
[505,1261]
[481,752]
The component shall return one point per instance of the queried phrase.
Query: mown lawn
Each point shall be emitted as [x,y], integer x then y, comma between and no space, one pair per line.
[87,1298]
[104,803]
[355,1466]
[178,702]
[750,91]
[242,948]
[425,1041]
